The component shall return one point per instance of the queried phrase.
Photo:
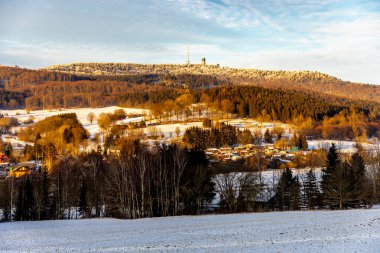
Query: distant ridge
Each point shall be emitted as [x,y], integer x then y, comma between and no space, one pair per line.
[309,81]
[175,69]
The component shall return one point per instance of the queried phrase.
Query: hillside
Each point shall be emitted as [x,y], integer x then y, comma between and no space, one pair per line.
[296,80]
[313,231]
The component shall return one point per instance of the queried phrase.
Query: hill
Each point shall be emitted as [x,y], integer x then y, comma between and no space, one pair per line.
[295,80]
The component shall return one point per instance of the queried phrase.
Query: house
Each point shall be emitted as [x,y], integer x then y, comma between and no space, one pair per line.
[290,156]
[225,150]
[24,168]
[20,171]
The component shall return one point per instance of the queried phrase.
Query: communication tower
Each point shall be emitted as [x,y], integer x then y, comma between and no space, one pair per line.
[187,55]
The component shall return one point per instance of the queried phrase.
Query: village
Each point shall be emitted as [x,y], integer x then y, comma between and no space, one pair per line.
[275,153]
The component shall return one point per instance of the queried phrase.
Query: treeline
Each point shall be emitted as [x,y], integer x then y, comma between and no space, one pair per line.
[280,104]
[84,94]
[12,99]
[344,184]
[14,77]
[138,182]
[200,138]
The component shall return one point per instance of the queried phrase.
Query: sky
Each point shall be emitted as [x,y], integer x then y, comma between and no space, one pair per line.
[337,37]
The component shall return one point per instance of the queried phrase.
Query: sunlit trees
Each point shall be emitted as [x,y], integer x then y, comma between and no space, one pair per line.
[91,117]
[245,137]
[6,124]
[104,121]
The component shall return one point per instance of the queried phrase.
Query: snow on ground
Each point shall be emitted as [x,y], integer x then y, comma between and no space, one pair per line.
[254,125]
[169,129]
[81,113]
[342,146]
[310,231]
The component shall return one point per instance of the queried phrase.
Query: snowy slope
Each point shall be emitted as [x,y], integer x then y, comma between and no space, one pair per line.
[318,231]
[81,113]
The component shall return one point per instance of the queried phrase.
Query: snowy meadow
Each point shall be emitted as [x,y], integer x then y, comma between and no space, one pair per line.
[309,231]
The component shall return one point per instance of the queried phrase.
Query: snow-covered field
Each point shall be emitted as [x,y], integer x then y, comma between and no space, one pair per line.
[342,146]
[81,113]
[311,231]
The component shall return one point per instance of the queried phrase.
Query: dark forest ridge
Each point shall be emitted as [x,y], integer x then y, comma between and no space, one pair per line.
[295,80]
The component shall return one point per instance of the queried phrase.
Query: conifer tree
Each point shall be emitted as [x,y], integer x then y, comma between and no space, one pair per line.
[332,163]
[283,190]
[311,191]
[268,136]
[357,180]
[295,193]
[336,191]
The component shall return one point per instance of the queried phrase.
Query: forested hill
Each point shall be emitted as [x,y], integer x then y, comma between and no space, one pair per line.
[294,80]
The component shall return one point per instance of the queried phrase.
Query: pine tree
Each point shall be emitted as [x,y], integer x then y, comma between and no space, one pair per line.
[357,180]
[283,190]
[311,191]
[268,136]
[295,193]
[332,163]
[337,192]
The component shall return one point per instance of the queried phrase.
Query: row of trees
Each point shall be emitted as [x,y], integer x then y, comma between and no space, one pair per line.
[343,184]
[168,180]
[225,135]
[138,182]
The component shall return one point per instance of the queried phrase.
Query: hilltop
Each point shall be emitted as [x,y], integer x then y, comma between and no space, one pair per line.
[193,69]
[310,81]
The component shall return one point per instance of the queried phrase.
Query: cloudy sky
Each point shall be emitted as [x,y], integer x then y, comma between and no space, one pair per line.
[338,37]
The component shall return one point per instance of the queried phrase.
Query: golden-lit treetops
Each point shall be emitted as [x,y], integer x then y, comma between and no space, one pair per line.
[195,69]
[60,130]
[295,80]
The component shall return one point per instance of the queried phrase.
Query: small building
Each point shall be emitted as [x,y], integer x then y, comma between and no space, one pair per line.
[290,157]
[20,171]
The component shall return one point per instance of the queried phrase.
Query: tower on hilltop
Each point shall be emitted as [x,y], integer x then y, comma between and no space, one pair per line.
[187,55]
[204,61]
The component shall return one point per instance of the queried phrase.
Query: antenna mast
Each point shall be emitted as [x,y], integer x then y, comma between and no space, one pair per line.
[187,55]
